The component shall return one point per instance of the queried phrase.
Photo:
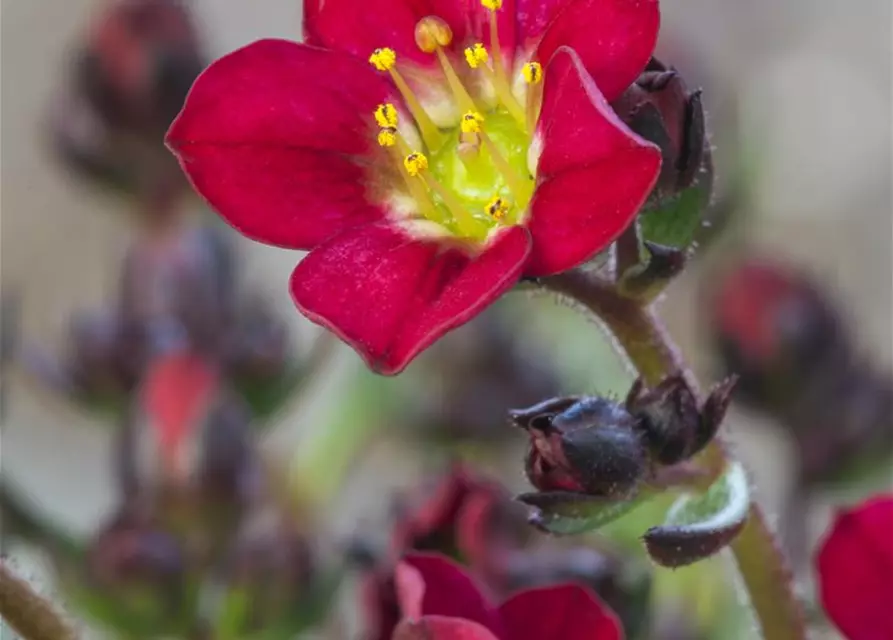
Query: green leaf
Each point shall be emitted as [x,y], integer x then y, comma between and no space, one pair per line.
[698,526]
[673,220]
[565,513]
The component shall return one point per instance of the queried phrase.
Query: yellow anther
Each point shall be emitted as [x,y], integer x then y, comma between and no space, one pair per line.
[386,116]
[415,163]
[471,122]
[492,5]
[387,137]
[498,208]
[476,55]
[533,72]
[383,59]
[432,32]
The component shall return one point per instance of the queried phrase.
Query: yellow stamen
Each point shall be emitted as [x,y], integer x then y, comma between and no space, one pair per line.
[476,55]
[387,137]
[533,72]
[386,116]
[533,75]
[385,59]
[492,5]
[471,122]
[498,208]
[431,35]
[416,165]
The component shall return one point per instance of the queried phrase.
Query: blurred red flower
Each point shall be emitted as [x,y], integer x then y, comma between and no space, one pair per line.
[422,154]
[855,565]
[440,601]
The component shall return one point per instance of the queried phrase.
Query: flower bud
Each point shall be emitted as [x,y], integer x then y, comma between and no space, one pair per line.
[586,446]
[270,567]
[141,571]
[783,335]
[661,109]
[130,79]
[677,429]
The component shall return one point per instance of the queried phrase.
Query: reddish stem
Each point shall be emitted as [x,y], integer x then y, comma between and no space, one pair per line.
[646,344]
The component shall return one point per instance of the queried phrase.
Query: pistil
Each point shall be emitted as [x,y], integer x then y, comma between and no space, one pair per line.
[416,165]
[521,189]
[431,35]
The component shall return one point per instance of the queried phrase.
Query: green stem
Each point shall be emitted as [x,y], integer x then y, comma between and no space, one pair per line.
[642,337]
[29,614]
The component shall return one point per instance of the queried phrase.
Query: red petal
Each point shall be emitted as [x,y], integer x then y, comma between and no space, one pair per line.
[614,38]
[855,564]
[533,17]
[263,137]
[442,628]
[595,173]
[449,591]
[358,27]
[567,612]
[390,295]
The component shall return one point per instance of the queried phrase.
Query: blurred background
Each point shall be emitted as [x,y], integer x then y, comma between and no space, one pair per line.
[794,290]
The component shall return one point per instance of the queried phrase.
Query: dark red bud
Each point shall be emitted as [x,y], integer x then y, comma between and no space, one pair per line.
[584,445]
[660,108]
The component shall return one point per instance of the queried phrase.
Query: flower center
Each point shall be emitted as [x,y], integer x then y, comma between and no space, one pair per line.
[472,177]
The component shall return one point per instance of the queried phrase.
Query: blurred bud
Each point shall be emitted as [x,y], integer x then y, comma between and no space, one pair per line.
[623,585]
[176,289]
[267,575]
[786,341]
[131,77]
[463,515]
[141,574]
[661,109]
[480,371]
[258,344]
[188,442]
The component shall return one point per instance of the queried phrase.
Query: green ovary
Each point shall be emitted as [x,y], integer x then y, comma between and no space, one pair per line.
[477,181]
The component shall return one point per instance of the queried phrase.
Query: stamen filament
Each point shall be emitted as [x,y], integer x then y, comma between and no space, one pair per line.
[416,189]
[505,96]
[431,135]
[464,100]
[533,76]
[521,189]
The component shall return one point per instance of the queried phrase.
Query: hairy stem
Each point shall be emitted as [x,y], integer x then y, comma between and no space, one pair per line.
[30,615]
[653,354]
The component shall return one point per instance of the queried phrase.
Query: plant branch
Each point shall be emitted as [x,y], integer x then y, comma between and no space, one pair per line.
[653,354]
[29,614]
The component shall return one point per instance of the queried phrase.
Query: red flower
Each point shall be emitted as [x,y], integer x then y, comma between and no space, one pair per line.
[440,602]
[855,565]
[426,183]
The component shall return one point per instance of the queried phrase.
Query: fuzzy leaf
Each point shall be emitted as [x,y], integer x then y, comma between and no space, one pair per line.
[673,220]
[564,513]
[699,526]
